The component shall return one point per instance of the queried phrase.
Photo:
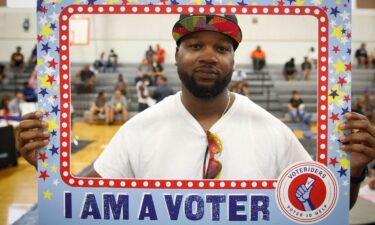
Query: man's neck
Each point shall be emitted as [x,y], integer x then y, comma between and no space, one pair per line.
[206,111]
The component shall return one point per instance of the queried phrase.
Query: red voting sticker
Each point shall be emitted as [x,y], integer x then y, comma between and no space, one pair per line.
[307,192]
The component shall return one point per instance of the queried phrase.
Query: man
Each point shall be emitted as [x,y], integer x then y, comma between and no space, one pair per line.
[362,56]
[118,106]
[296,109]
[87,79]
[112,60]
[181,136]
[306,68]
[259,59]
[290,70]
[17,60]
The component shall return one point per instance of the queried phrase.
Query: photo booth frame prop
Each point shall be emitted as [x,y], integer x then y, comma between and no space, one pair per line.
[66,199]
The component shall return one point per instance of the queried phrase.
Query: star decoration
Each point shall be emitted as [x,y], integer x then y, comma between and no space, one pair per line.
[54,150]
[56,182]
[91,2]
[334,117]
[57,49]
[43,10]
[44,82]
[342,172]
[52,39]
[349,35]
[52,124]
[53,26]
[348,67]
[47,195]
[43,175]
[334,11]
[344,40]
[42,156]
[50,100]
[45,164]
[281,3]
[54,133]
[291,1]
[333,162]
[50,79]
[47,57]
[345,15]
[333,94]
[54,17]
[54,168]
[344,110]
[242,2]
[55,109]
[339,67]
[345,183]
[336,49]
[341,81]
[43,92]
[347,98]
[112,1]
[39,38]
[349,51]
[161,1]
[52,63]
[46,113]
[316,2]
[45,47]
[344,162]
[300,2]
[198,2]
[174,2]
[46,30]
[337,32]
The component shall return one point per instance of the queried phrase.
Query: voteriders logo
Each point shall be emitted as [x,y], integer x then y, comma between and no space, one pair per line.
[307,192]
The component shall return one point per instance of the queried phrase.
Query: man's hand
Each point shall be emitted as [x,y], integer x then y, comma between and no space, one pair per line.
[32,136]
[360,142]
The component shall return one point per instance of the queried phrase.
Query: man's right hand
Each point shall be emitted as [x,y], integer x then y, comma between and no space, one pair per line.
[32,136]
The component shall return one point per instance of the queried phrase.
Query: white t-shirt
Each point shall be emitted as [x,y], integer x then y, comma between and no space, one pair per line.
[145,92]
[166,142]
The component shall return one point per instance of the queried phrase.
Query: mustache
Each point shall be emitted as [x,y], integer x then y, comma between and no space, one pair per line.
[207,69]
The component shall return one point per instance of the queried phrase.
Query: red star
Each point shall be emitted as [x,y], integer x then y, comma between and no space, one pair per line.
[52,63]
[40,38]
[42,156]
[325,8]
[46,114]
[43,175]
[332,161]
[341,81]
[347,98]
[280,3]
[51,79]
[334,117]
[349,35]
[163,1]
[336,49]
[124,2]
[55,97]
[348,67]
[43,10]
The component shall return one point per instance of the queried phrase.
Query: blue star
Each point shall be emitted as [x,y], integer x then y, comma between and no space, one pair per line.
[291,1]
[174,2]
[55,109]
[54,150]
[45,47]
[54,133]
[344,110]
[349,51]
[39,5]
[53,26]
[342,172]
[333,94]
[343,31]
[43,92]
[208,2]
[242,2]
[57,50]
[91,2]
[334,11]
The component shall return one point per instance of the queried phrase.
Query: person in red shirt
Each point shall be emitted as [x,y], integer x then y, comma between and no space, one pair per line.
[160,54]
[259,59]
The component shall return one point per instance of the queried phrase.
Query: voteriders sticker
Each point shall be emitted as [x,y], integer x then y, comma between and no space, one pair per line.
[307,192]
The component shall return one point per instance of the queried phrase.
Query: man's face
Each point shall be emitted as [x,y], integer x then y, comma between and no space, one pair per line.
[205,62]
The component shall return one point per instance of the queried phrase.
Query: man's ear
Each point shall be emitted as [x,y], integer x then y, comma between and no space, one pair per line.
[176,55]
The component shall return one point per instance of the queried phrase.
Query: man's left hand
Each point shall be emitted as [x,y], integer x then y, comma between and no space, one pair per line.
[360,142]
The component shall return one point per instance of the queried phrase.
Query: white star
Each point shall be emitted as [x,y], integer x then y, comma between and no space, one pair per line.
[333,23]
[331,107]
[344,40]
[49,71]
[54,17]
[44,105]
[56,182]
[43,21]
[345,15]
[47,58]
[332,80]
[331,71]
[330,60]
[334,137]
[348,78]
[52,39]
[341,103]
[316,2]
[50,100]
[343,57]
[345,183]
[348,26]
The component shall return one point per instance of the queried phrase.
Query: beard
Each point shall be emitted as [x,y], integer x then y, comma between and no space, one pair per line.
[204,92]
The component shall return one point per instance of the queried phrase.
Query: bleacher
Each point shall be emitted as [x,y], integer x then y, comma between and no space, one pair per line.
[268,88]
